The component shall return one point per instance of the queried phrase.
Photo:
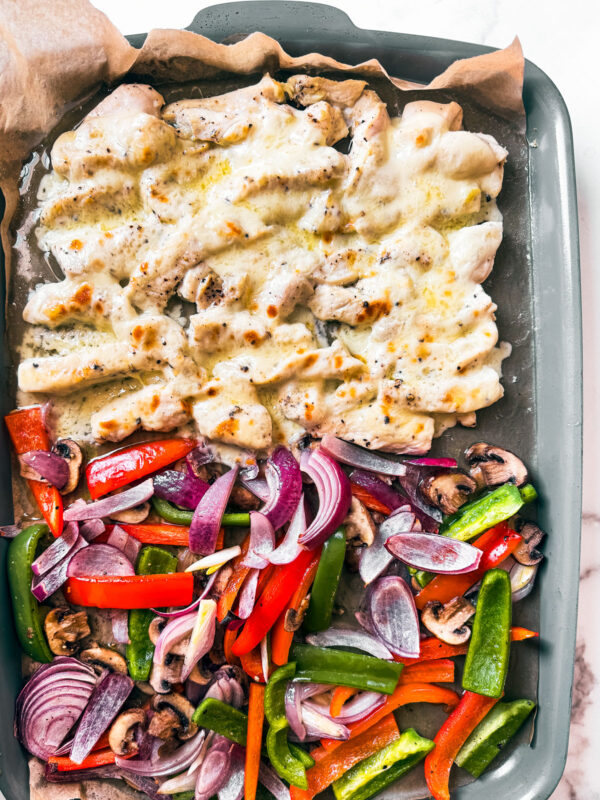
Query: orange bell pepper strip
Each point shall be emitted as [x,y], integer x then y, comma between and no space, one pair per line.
[151,533]
[229,638]
[433,648]
[271,602]
[131,591]
[110,472]
[281,640]
[256,718]
[238,576]
[220,539]
[367,499]
[252,665]
[521,634]
[339,697]
[403,694]
[439,671]
[444,588]
[336,763]
[97,758]
[28,432]
[450,738]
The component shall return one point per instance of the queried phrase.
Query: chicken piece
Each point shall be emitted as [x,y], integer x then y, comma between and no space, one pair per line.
[324,214]
[109,192]
[308,90]
[325,124]
[202,286]
[324,363]
[435,116]
[129,98]
[150,343]
[461,155]
[473,249]
[282,292]
[218,327]
[94,302]
[365,302]
[338,269]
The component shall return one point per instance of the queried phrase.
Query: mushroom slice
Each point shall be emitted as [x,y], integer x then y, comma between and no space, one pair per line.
[104,658]
[64,628]
[121,737]
[448,622]
[293,619]
[155,629]
[527,552]
[132,516]
[173,717]
[71,452]
[164,676]
[492,466]
[447,491]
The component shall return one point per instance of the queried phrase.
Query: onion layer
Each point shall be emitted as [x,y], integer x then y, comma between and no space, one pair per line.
[285,487]
[359,457]
[206,521]
[333,488]
[262,541]
[434,553]
[110,505]
[375,559]
[393,616]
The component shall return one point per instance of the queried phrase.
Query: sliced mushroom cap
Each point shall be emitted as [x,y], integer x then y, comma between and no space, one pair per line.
[293,619]
[448,622]
[360,528]
[447,491]
[132,516]
[64,628]
[154,630]
[527,552]
[121,737]
[104,658]
[173,717]
[71,452]
[492,466]
[244,499]
[164,676]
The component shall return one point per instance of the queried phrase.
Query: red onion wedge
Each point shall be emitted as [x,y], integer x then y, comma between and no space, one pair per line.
[49,466]
[289,549]
[434,553]
[108,696]
[272,782]
[53,775]
[262,541]
[206,521]
[203,636]
[180,612]
[522,579]
[321,724]
[429,516]
[375,559]
[393,616]
[344,637]
[216,559]
[57,551]
[92,528]
[359,707]
[214,770]
[428,461]
[99,559]
[182,488]
[110,505]
[233,789]
[125,543]
[333,488]
[174,631]
[247,596]
[51,703]
[293,710]
[42,588]
[10,531]
[119,620]
[160,766]
[380,490]
[258,486]
[359,457]
[285,487]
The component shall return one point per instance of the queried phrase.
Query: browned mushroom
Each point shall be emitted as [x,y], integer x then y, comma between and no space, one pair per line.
[64,629]
[71,452]
[173,717]
[154,630]
[448,622]
[527,552]
[164,676]
[104,658]
[293,619]
[447,491]
[360,533]
[492,466]
[132,516]
[244,499]
[121,737]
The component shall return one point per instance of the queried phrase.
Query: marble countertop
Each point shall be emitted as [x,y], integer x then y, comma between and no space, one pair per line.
[562,40]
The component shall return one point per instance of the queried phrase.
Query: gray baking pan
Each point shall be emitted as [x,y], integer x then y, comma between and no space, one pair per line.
[536,285]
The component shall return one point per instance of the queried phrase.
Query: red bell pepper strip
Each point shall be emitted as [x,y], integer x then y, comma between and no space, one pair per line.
[272,601]
[229,638]
[110,472]
[339,696]
[256,718]
[433,648]
[28,432]
[227,599]
[403,694]
[162,533]
[98,758]
[521,634]
[345,756]
[445,587]
[252,665]
[440,670]
[281,640]
[131,591]
[367,499]
[451,737]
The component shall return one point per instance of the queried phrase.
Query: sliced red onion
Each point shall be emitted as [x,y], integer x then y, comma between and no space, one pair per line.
[203,636]
[522,580]
[50,466]
[293,710]
[182,488]
[289,549]
[393,615]
[99,559]
[216,559]
[92,528]
[233,789]
[184,782]
[200,456]
[428,515]
[375,558]
[160,766]
[57,551]
[42,588]
[129,546]
[333,488]
[359,707]
[206,521]
[110,505]
[50,704]
[119,620]
[344,637]
[214,771]
[148,786]
[434,553]
[106,701]
[262,541]
[173,632]
[180,612]
[264,657]
[285,485]
[248,594]
[258,486]
[321,725]
[428,461]
[10,531]
[359,457]
[380,490]
[272,782]
[53,775]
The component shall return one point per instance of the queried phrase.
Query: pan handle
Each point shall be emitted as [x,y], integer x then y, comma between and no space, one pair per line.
[273,17]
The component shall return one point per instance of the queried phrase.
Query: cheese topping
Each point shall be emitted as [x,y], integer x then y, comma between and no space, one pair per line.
[334,257]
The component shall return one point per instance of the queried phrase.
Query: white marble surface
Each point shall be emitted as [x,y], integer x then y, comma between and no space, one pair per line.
[562,39]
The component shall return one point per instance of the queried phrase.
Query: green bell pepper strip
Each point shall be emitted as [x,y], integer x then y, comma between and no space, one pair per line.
[183,796]
[22,552]
[140,650]
[493,732]
[343,668]
[486,663]
[275,695]
[383,768]
[324,588]
[181,516]
[283,760]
